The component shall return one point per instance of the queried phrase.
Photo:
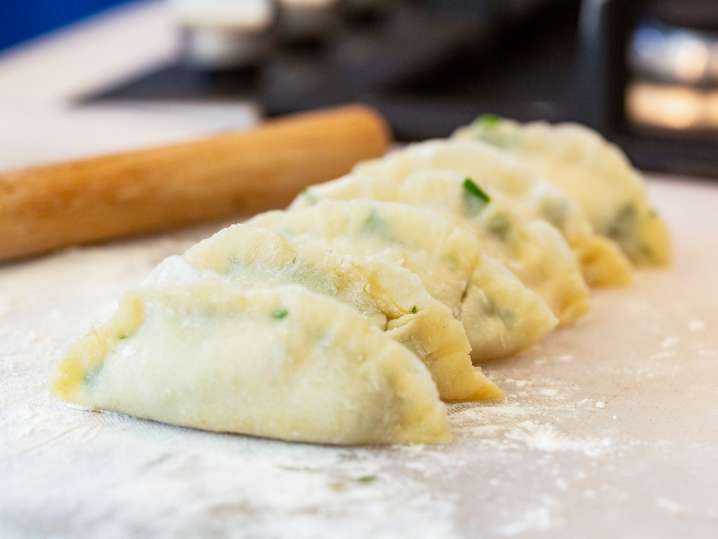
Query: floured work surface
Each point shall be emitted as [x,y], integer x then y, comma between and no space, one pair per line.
[610,427]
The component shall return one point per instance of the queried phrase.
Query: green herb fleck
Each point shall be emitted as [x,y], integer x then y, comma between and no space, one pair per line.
[366,479]
[500,226]
[451,260]
[623,223]
[491,309]
[474,190]
[122,337]
[488,120]
[413,310]
[627,229]
[91,374]
[556,212]
[493,130]
[373,224]
[475,198]
[308,195]
[278,314]
[507,317]
[648,253]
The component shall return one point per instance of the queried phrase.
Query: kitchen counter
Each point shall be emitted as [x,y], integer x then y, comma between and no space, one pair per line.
[610,427]
[41,83]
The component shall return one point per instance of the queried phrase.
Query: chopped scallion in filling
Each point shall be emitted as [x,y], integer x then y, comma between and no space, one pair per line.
[279,314]
[366,479]
[475,198]
[500,227]
[488,120]
[308,195]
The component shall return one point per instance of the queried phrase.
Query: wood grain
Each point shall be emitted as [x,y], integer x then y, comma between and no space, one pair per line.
[47,207]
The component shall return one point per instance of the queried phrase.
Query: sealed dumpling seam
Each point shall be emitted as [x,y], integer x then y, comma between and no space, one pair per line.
[388,295]
[282,363]
[442,252]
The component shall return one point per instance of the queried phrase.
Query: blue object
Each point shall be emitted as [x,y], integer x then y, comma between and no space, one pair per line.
[21,20]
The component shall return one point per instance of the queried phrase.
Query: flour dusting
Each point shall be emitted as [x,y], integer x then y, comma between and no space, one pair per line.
[543,463]
[670,506]
[547,438]
[696,325]
[535,519]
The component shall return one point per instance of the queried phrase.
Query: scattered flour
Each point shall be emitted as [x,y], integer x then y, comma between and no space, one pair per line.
[668,353]
[5,306]
[545,437]
[517,383]
[670,506]
[696,325]
[535,519]
[516,468]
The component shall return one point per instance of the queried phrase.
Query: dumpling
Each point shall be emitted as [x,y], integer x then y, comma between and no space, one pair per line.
[602,263]
[280,363]
[595,173]
[388,296]
[533,250]
[501,316]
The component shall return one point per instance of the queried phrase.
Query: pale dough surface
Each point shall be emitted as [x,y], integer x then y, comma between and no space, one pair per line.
[501,174]
[594,173]
[278,362]
[532,249]
[500,315]
[388,296]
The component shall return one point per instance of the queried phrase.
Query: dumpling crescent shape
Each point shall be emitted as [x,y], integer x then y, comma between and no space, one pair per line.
[281,363]
[532,249]
[594,173]
[500,315]
[388,296]
[602,262]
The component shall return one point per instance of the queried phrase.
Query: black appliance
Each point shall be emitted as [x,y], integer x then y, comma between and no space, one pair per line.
[433,65]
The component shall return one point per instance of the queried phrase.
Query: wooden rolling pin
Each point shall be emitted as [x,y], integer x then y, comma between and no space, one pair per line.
[46,207]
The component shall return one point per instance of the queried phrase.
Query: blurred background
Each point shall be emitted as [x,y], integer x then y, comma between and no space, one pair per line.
[645,73]
[21,20]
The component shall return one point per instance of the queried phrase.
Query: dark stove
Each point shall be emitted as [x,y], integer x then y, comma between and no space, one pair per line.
[432,66]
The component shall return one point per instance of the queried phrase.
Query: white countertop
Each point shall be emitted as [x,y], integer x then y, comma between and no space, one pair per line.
[610,427]
[39,82]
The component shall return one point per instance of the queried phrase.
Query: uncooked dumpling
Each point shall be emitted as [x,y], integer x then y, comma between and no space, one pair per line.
[501,316]
[281,362]
[533,250]
[388,296]
[602,263]
[595,173]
